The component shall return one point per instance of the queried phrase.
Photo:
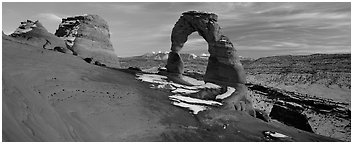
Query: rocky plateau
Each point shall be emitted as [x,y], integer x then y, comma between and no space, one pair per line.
[313,90]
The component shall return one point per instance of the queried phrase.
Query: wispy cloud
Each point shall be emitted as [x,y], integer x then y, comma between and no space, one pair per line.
[256,29]
[49,16]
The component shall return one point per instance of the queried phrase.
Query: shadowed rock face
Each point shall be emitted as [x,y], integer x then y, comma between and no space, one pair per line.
[88,36]
[224,67]
[290,115]
[34,33]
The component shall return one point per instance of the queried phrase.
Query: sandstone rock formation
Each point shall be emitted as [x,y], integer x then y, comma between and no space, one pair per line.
[88,36]
[34,33]
[224,65]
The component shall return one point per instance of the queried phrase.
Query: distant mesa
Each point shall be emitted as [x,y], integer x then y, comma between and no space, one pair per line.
[34,33]
[164,56]
[88,36]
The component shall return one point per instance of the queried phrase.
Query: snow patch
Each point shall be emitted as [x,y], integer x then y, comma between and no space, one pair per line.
[275,134]
[152,78]
[182,97]
[210,86]
[184,91]
[69,22]
[20,31]
[229,92]
[194,108]
[194,100]
[163,86]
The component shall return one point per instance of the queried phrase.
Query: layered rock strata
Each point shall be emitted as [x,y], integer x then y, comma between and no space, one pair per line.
[88,36]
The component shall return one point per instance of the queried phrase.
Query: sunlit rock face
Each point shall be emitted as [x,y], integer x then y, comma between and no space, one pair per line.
[89,37]
[35,34]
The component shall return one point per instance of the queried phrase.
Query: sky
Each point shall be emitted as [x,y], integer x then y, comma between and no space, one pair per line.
[255,29]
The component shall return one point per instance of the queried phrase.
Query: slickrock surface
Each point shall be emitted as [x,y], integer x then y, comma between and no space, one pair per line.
[50,96]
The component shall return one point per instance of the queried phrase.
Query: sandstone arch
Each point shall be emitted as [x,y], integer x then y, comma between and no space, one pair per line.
[224,67]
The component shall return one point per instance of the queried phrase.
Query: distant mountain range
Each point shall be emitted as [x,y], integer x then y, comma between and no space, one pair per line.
[185,56]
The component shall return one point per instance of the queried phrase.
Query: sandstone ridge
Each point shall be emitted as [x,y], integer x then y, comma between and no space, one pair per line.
[35,34]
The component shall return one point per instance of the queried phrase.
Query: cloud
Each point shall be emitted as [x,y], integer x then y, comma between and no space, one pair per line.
[50,21]
[312,49]
[290,27]
[127,8]
[49,16]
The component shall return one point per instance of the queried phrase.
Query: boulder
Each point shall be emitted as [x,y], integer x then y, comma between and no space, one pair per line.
[290,114]
[35,34]
[88,36]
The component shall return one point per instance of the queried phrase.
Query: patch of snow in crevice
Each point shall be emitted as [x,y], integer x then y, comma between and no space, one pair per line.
[152,78]
[184,86]
[210,86]
[163,86]
[295,104]
[20,31]
[68,22]
[194,100]
[230,91]
[184,91]
[275,134]
[194,104]
[194,108]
